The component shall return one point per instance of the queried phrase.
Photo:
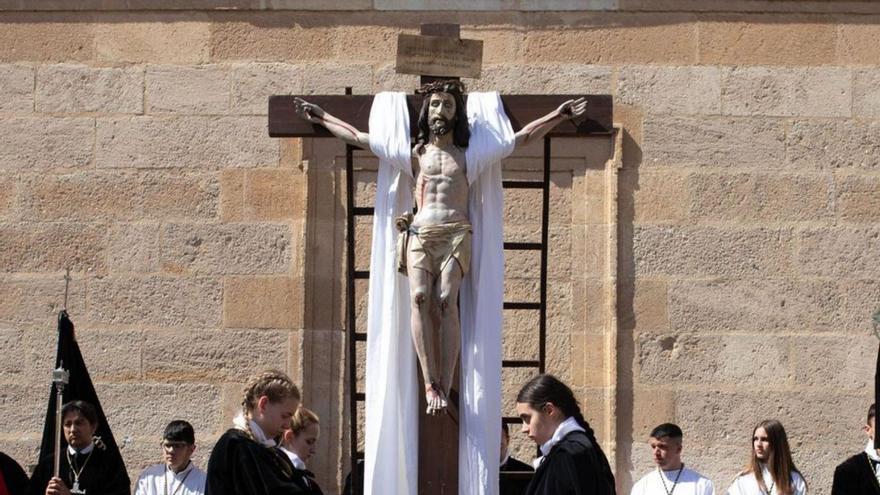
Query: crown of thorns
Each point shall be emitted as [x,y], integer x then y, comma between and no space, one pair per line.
[450,86]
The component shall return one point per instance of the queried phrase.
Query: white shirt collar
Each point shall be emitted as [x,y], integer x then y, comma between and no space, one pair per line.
[259,435]
[297,462]
[872,453]
[86,450]
[189,467]
[564,428]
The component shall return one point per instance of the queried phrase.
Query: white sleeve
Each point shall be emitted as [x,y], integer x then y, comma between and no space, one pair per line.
[707,487]
[142,485]
[800,486]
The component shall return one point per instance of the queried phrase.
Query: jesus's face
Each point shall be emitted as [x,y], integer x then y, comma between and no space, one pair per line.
[441,113]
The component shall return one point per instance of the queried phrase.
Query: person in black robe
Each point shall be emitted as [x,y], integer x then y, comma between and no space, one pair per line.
[246,459]
[572,462]
[515,475]
[13,479]
[86,466]
[858,475]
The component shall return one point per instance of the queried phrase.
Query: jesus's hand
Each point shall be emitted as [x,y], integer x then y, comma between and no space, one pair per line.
[573,109]
[308,111]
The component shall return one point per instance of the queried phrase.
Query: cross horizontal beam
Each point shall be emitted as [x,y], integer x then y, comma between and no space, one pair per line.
[355,109]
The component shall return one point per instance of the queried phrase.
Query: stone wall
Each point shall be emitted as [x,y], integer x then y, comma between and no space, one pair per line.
[738,242]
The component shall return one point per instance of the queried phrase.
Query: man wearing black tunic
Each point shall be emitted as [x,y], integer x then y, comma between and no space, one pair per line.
[859,474]
[86,467]
[510,483]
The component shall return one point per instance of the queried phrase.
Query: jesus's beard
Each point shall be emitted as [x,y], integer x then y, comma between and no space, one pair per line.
[439,126]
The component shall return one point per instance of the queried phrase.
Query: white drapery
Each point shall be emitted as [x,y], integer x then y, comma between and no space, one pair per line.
[391,455]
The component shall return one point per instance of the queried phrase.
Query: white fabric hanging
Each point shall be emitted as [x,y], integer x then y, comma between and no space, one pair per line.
[392,435]
[391,452]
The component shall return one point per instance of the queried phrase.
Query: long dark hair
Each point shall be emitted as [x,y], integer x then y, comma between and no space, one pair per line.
[461,133]
[546,388]
[779,460]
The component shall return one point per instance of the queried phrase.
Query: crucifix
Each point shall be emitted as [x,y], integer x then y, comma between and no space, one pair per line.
[435,244]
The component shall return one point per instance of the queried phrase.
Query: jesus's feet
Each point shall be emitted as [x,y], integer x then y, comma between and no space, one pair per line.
[435,398]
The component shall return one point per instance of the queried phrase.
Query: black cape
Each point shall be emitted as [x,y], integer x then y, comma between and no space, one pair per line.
[855,476]
[514,484]
[103,473]
[14,477]
[241,466]
[574,466]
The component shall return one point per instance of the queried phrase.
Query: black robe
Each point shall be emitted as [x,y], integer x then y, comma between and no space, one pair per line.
[102,474]
[14,477]
[855,476]
[514,484]
[574,466]
[241,466]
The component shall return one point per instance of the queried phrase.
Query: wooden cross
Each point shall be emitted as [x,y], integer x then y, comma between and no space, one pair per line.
[438,435]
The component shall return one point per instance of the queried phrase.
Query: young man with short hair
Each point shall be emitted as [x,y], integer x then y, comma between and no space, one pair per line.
[86,466]
[671,477]
[512,484]
[859,474]
[177,474]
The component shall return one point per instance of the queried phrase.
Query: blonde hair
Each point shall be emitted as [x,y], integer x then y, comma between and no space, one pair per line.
[274,384]
[302,419]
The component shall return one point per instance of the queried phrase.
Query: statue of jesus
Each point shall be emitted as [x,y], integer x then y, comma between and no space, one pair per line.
[435,246]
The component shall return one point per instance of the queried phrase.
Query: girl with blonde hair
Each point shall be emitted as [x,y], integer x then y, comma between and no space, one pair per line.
[246,460]
[299,443]
[771,470]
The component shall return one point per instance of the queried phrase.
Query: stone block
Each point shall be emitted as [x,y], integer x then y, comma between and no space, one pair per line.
[16,88]
[595,362]
[559,352]
[175,355]
[262,302]
[24,409]
[787,92]
[526,5]
[52,247]
[367,42]
[853,45]
[671,90]
[712,360]
[713,141]
[612,39]
[859,304]
[8,196]
[758,197]
[755,305]
[523,344]
[650,305]
[836,364]
[712,251]
[228,249]
[833,144]
[134,248]
[858,198]
[866,93]
[28,300]
[188,142]
[333,78]
[232,208]
[274,194]
[111,354]
[41,37]
[253,84]
[175,39]
[652,199]
[589,312]
[11,343]
[652,406]
[107,195]
[569,78]
[386,78]
[66,88]
[839,252]
[40,143]
[741,41]
[166,301]
[500,43]
[275,37]
[187,90]
[134,409]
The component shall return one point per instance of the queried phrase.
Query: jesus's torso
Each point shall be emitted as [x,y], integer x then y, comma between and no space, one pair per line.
[441,186]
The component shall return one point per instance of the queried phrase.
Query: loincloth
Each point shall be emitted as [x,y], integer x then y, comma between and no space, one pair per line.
[432,247]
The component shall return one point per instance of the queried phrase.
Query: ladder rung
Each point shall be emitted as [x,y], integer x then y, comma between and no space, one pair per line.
[523,246]
[522,184]
[362,274]
[360,396]
[511,420]
[522,305]
[360,336]
[520,364]
[363,211]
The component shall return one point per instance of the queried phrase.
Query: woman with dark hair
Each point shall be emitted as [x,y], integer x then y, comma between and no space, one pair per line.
[571,462]
[770,470]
